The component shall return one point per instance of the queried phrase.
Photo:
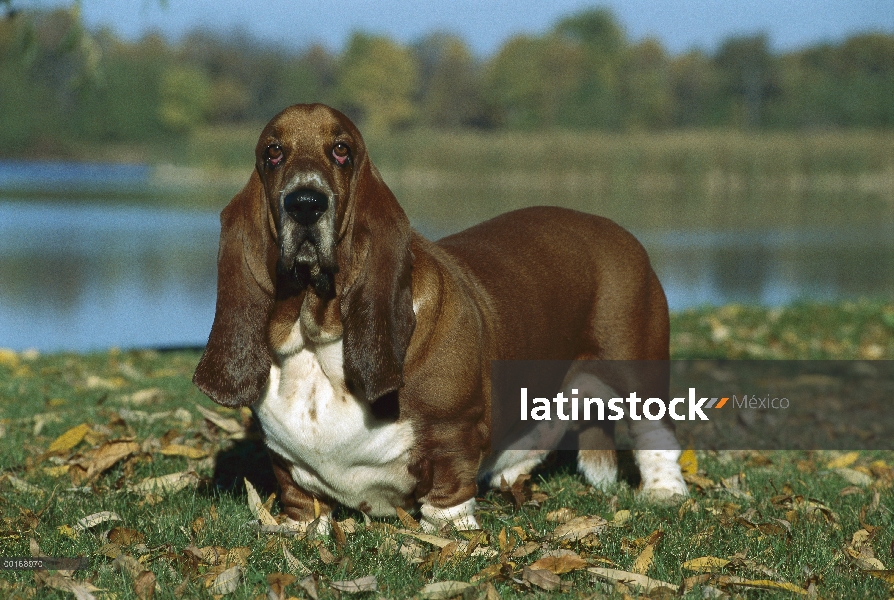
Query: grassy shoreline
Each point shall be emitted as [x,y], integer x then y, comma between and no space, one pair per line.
[673,179]
[77,432]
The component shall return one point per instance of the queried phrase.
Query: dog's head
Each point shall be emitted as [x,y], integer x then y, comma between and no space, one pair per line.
[315,219]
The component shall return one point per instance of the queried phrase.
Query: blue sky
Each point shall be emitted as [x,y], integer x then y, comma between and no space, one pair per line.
[485,24]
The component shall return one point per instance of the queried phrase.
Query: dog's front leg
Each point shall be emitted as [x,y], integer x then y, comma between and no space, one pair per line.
[299,505]
[451,498]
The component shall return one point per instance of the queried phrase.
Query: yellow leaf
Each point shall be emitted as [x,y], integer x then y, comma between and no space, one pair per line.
[503,541]
[621,517]
[764,584]
[56,471]
[67,531]
[69,439]
[408,521]
[885,575]
[256,507]
[644,560]
[562,515]
[845,460]
[705,563]
[688,462]
[181,450]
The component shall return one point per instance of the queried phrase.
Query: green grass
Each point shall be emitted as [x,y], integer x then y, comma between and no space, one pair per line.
[42,397]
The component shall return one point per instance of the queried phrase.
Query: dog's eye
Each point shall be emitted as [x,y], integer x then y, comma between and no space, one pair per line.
[341,153]
[273,155]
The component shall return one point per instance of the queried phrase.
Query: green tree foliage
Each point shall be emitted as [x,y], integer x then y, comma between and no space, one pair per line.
[185,97]
[531,81]
[748,71]
[62,86]
[449,83]
[376,82]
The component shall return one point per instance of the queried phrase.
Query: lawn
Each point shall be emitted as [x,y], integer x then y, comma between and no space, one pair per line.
[116,457]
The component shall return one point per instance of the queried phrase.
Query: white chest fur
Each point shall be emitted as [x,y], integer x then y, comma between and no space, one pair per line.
[336,447]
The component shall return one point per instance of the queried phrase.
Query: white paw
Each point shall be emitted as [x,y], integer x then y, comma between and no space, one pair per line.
[661,476]
[461,517]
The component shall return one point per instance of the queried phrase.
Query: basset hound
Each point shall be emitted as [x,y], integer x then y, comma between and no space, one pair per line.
[365,350]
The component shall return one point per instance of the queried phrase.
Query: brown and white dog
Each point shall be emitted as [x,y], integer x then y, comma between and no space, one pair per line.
[365,349]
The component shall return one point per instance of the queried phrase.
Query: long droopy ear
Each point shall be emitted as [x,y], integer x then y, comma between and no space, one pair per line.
[236,363]
[377,303]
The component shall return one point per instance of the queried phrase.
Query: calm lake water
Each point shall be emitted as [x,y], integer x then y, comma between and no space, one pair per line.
[91,275]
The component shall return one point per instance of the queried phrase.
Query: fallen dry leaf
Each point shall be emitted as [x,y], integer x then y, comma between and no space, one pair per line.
[542,578]
[762,584]
[181,450]
[525,550]
[565,563]
[146,396]
[56,471]
[853,476]
[338,535]
[845,460]
[641,582]
[141,416]
[166,484]
[23,486]
[516,491]
[82,590]
[578,528]
[277,583]
[144,585]
[231,426]
[562,515]
[309,585]
[705,564]
[256,506]
[125,536]
[621,517]
[69,439]
[644,560]
[408,521]
[91,521]
[108,455]
[356,586]
[226,582]
[699,481]
[688,462]
[442,590]
[885,575]
[441,542]
[325,555]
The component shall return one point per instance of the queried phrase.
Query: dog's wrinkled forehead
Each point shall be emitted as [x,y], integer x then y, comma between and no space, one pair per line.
[306,132]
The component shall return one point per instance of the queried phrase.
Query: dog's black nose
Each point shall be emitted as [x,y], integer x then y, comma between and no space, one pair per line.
[306,205]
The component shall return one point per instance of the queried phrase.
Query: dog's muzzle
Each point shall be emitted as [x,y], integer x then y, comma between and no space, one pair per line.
[307,238]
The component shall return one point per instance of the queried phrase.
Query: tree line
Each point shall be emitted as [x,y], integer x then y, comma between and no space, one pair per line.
[59,81]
